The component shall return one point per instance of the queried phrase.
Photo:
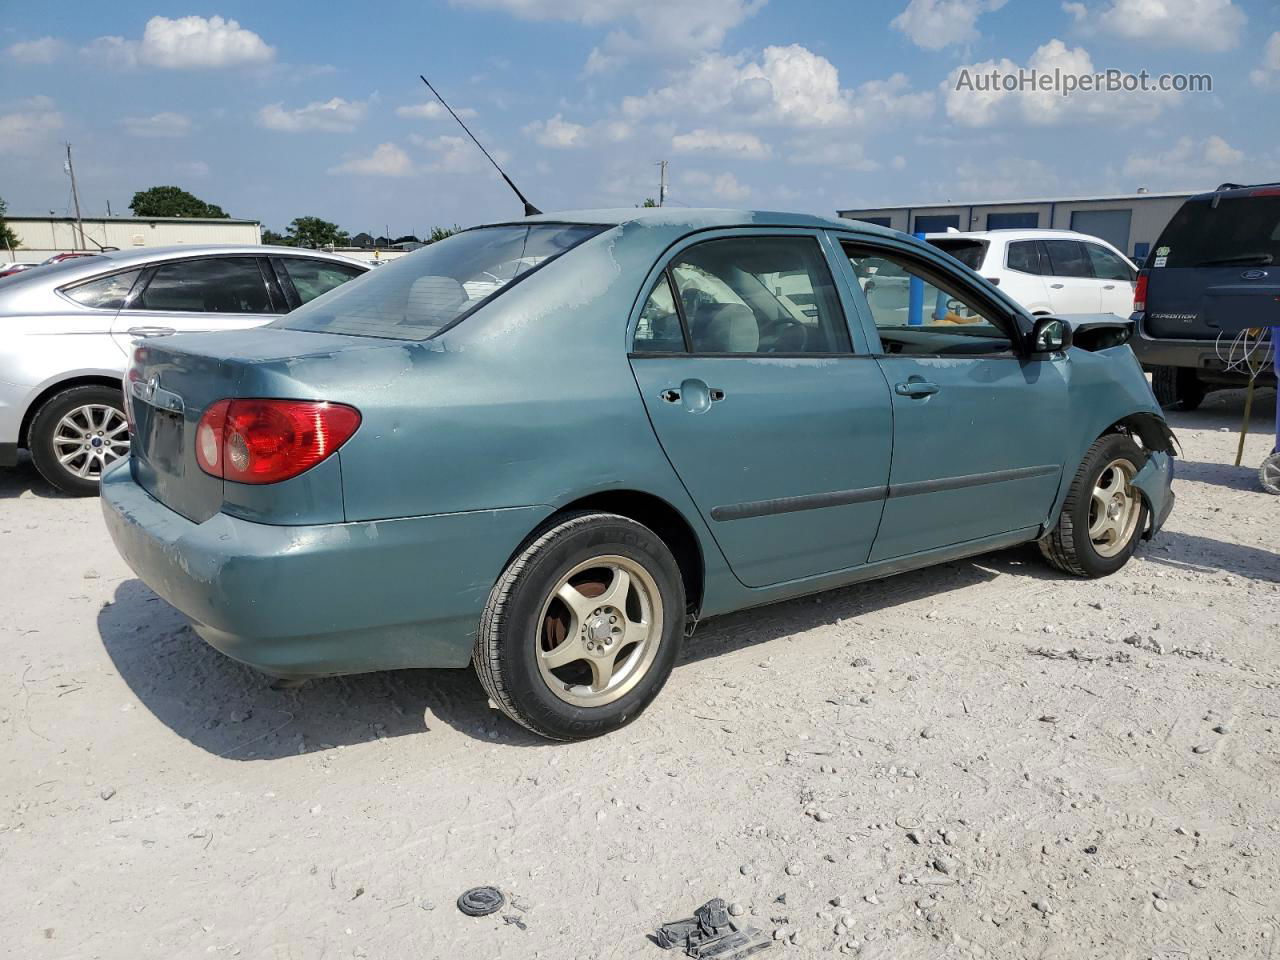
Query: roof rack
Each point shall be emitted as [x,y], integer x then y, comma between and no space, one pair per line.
[1244,186]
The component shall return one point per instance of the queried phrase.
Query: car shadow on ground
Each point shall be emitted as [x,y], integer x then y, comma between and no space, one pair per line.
[25,478]
[1204,555]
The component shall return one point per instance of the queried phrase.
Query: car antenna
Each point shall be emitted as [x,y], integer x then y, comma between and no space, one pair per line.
[529,209]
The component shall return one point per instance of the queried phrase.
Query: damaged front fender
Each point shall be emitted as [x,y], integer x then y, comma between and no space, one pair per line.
[1155,482]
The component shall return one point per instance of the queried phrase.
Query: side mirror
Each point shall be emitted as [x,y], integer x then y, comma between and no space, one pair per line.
[1050,335]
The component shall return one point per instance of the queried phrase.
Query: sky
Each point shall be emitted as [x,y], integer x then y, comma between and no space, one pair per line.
[290,108]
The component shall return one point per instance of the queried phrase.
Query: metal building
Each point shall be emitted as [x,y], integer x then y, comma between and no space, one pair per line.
[41,237]
[1129,221]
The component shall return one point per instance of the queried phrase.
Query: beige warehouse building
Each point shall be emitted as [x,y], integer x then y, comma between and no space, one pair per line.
[1129,221]
[41,237]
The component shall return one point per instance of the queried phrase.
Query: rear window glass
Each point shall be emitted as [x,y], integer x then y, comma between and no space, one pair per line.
[1240,231]
[969,252]
[420,294]
[1024,256]
[104,293]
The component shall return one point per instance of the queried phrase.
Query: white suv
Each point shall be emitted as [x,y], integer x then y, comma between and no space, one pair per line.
[1048,271]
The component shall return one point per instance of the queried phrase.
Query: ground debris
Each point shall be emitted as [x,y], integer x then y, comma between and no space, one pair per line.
[711,935]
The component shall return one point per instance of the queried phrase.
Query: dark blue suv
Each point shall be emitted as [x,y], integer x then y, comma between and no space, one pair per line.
[1214,272]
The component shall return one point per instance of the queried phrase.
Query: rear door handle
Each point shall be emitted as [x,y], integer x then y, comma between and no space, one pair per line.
[145,332]
[915,388]
[1056,286]
[1109,286]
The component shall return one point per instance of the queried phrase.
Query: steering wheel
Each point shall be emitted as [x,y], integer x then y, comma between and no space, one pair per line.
[780,329]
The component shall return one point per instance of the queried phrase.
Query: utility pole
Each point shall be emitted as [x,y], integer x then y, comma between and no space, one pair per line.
[662,182]
[75,197]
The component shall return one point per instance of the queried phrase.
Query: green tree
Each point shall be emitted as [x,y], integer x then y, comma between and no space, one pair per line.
[314,232]
[172,202]
[439,233]
[275,239]
[649,202]
[8,239]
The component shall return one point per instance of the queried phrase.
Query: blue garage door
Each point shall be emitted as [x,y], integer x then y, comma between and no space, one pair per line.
[1111,225]
[936,224]
[1012,221]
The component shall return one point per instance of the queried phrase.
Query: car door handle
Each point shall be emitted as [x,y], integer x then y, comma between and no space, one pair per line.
[915,388]
[145,332]
[1056,286]
[1109,286]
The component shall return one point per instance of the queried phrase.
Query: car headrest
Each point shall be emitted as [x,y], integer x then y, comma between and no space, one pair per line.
[726,328]
[437,298]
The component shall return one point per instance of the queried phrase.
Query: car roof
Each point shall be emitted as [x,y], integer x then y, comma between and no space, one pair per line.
[1017,233]
[78,268]
[699,218]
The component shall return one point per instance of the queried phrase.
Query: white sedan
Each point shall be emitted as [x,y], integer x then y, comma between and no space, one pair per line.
[1048,271]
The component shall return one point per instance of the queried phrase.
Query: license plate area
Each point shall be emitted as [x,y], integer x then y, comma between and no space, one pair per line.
[163,446]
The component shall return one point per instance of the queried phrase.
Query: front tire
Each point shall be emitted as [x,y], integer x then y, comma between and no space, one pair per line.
[583,628]
[76,435]
[1104,515]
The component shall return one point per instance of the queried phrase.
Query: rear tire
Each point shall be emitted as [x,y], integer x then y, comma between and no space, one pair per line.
[583,627]
[76,434]
[1104,516]
[1177,388]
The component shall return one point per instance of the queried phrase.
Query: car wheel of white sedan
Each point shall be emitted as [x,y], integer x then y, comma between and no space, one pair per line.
[76,435]
[582,629]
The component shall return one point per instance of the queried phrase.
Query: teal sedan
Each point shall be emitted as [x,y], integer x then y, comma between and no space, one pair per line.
[550,447]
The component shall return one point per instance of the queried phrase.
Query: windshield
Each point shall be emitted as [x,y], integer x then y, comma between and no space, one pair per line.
[418,295]
[969,252]
[1240,231]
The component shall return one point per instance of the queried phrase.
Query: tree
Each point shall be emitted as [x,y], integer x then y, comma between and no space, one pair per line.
[314,232]
[8,239]
[407,238]
[439,233]
[649,202]
[276,239]
[172,202]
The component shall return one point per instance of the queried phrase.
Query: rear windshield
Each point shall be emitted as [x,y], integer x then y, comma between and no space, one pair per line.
[1240,231]
[969,252]
[416,296]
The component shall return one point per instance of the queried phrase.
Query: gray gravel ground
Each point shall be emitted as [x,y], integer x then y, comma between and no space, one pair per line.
[982,759]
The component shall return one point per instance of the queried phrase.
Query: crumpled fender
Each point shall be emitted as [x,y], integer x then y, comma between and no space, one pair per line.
[1155,482]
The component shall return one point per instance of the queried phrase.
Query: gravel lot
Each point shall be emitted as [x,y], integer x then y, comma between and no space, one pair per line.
[982,759]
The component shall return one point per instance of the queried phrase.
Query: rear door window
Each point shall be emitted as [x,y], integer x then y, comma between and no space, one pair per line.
[969,252]
[1106,265]
[1067,258]
[104,293]
[208,285]
[1239,231]
[1024,256]
[310,278]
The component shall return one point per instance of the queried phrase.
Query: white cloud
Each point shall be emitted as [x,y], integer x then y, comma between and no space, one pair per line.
[1270,68]
[1188,161]
[164,124]
[1076,11]
[788,86]
[719,141]
[114,52]
[387,160]
[329,116]
[724,186]
[28,124]
[599,62]
[184,44]
[992,104]
[431,110]
[1212,25]
[456,154]
[844,156]
[657,28]
[934,24]
[44,50]
[557,133]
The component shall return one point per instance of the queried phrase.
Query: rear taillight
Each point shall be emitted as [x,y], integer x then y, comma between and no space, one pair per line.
[1140,294]
[266,441]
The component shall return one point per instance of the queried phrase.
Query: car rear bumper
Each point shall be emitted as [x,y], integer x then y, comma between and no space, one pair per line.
[1199,355]
[320,600]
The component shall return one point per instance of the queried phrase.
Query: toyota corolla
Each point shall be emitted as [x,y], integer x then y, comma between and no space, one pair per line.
[550,447]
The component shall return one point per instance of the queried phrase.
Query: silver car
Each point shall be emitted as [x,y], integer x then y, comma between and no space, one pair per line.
[67,331]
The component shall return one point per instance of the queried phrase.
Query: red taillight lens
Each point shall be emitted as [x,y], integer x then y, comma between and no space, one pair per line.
[266,441]
[1140,294]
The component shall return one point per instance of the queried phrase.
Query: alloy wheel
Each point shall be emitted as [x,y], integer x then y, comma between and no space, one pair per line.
[89,438]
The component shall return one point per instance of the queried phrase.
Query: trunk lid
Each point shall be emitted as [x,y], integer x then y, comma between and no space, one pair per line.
[173,380]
